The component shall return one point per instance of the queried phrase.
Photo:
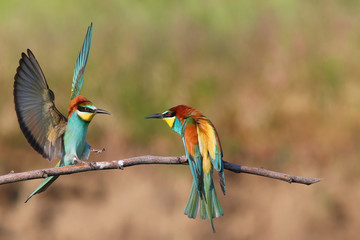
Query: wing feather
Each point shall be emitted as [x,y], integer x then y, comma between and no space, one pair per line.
[209,143]
[190,138]
[41,123]
[78,78]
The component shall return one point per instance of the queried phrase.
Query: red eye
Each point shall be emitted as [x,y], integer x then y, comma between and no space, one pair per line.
[168,114]
[85,109]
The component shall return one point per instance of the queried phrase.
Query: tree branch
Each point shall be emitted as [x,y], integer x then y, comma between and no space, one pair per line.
[148,159]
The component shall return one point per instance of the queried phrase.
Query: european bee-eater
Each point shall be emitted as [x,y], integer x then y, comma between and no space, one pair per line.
[48,131]
[203,151]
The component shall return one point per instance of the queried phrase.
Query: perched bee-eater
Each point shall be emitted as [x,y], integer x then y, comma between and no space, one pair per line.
[49,132]
[203,151]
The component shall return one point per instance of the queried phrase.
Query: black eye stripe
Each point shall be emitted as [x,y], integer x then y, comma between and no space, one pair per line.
[85,109]
[169,114]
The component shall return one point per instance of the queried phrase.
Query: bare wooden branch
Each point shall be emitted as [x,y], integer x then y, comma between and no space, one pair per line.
[148,159]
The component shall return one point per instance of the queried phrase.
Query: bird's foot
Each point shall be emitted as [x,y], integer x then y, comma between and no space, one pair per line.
[97,151]
[76,160]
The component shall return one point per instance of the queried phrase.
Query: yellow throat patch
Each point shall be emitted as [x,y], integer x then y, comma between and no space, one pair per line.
[170,121]
[86,116]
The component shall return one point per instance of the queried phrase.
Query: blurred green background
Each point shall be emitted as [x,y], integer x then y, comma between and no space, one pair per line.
[279,79]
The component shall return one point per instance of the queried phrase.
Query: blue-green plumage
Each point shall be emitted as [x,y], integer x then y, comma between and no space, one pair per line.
[203,151]
[75,147]
[45,128]
[78,78]
[75,144]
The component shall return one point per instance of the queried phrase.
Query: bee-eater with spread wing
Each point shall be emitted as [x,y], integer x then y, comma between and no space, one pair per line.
[49,132]
[203,151]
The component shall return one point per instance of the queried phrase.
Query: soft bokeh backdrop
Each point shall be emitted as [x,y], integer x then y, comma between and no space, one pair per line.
[279,79]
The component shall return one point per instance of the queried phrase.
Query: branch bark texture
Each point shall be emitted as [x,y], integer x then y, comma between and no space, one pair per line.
[148,159]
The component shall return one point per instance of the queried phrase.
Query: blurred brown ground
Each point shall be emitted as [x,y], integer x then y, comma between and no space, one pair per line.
[279,79]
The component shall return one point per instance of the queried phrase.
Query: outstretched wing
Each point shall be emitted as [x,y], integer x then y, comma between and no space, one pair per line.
[209,143]
[78,78]
[190,138]
[42,124]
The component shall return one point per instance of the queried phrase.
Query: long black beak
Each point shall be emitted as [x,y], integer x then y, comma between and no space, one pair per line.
[156,115]
[101,111]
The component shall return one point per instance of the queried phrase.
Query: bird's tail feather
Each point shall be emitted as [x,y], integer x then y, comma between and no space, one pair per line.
[192,206]
[209,205]
[43,186]
[46,183]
